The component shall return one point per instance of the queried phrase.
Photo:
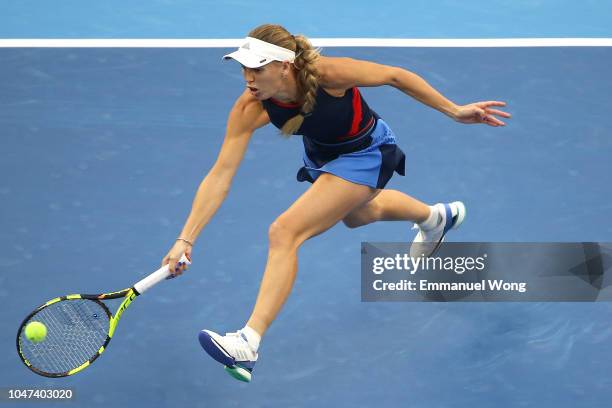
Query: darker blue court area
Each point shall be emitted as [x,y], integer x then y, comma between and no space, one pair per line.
[103,150]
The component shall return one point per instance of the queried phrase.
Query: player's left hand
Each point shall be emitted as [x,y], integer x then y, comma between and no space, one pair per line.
[481,112]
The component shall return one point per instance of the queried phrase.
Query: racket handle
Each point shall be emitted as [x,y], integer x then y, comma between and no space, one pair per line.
[157,276]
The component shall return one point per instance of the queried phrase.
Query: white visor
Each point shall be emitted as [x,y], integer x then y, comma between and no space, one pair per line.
[255,53]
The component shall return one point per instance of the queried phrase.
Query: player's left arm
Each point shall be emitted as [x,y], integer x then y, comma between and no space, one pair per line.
[345,73]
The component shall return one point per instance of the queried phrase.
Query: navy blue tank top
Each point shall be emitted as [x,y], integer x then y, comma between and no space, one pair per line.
[334,120]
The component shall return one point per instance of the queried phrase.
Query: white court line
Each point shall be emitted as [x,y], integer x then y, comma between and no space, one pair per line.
[318,42]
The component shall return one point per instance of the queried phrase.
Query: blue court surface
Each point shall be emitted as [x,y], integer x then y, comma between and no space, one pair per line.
[103,149]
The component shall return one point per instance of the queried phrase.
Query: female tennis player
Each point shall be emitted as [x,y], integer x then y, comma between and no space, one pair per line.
[350,155]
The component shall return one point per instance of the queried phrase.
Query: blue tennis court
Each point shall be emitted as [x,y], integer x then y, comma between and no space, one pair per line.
[103,150]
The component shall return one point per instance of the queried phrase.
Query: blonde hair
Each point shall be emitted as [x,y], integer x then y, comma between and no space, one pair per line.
[304,64]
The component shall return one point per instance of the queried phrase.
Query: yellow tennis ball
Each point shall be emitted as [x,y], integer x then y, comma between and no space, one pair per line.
[36,332]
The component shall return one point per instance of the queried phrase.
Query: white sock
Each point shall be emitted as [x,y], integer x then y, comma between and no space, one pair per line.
[432,221]
[252,336]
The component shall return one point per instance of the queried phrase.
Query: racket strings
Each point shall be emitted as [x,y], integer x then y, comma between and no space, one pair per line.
[76,329]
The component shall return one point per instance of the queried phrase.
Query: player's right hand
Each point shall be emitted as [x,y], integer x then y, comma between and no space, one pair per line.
[174,255]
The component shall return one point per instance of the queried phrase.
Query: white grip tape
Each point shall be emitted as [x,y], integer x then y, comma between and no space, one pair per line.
[156,277]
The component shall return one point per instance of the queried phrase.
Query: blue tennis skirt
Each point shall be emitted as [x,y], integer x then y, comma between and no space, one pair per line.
[371,166]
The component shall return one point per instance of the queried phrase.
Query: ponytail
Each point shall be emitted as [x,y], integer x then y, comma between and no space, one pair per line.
[307,82]
[304,64]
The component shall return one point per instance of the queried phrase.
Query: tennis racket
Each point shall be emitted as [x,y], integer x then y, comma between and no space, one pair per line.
[79,328]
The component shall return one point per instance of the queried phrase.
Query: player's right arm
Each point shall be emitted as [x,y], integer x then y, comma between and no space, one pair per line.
[246,116]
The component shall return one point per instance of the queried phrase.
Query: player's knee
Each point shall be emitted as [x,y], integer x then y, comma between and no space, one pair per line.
[281,234]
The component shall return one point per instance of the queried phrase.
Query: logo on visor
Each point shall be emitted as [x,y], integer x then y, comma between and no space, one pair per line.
[262,61]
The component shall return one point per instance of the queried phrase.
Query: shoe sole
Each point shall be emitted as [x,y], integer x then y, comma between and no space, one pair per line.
[460,214]
[239,373]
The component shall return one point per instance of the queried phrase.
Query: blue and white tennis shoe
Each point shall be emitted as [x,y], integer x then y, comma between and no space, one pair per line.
[427,242]
[232,350]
